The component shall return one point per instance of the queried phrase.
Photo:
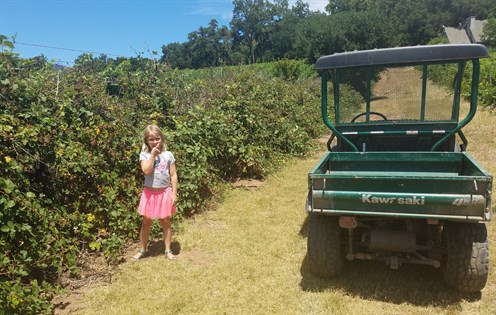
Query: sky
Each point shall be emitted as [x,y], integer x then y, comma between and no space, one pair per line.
[62,30]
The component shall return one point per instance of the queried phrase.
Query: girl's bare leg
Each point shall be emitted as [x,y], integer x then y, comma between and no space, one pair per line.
[166,230]
[144,235]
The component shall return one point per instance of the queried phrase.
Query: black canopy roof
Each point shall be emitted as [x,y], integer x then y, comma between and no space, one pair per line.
[402,55]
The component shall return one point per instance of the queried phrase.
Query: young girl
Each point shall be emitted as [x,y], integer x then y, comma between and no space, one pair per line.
[158,200]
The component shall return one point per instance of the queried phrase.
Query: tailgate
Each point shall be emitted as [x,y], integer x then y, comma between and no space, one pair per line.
[401,184]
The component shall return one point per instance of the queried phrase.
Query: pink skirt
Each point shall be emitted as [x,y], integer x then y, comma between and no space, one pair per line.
[156,204]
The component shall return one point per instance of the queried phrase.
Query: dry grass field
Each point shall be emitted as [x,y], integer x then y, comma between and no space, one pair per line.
[248,257]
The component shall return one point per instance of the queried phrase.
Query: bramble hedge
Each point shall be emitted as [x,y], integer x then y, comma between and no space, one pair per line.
[487,81]
[70,178]
[487,86]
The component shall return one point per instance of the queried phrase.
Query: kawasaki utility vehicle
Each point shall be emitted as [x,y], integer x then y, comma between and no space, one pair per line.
[397,185]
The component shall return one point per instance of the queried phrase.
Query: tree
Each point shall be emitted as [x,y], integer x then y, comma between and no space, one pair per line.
[249,22]
[176,55]
[300,10]
[206,47]
[281,9]
[209,46]
[89,63]
[282,33]
[417,20]
[336,6]
[489,32]
[462,9]
[322,34]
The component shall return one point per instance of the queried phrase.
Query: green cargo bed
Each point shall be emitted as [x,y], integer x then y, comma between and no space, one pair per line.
[401,184]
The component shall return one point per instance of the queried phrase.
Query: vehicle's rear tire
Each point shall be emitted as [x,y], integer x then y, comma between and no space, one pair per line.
[467,258]
[324,246]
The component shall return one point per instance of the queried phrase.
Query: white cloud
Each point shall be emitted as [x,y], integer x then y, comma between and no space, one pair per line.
[220,10]
[315,5]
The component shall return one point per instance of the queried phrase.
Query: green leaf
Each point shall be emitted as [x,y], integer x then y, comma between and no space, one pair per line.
[7,185]
[30,194]
[8,44]
[95,246]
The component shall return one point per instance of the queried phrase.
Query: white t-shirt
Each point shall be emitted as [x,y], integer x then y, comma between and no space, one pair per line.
[160,176]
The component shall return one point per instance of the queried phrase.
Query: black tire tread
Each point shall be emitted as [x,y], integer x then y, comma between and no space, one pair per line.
[467,263]
[324,246]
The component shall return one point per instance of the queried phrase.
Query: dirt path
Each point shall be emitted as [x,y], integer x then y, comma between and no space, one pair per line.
[248,257]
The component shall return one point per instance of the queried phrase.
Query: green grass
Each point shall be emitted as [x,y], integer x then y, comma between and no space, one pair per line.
[399,93]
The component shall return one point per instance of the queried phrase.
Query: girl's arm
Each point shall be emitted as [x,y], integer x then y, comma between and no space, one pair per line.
[173,179]
[148,165]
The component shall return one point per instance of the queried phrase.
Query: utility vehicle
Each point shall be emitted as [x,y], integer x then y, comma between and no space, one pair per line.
[397,184]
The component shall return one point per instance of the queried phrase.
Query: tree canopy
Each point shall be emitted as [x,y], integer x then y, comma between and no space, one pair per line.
[262,30]
[489,32]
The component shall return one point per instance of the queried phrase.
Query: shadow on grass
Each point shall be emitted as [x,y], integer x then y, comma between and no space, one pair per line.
[372,280]
[304,227]
[157,248]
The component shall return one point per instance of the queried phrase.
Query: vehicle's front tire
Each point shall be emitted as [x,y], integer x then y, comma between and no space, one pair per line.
[467,258]
[324,246]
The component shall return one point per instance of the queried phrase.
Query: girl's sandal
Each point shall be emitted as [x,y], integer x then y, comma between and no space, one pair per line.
[169,255]
[139,255]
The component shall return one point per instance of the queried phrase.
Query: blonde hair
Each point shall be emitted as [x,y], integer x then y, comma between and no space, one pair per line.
[153,130]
